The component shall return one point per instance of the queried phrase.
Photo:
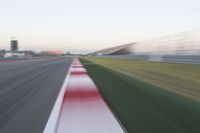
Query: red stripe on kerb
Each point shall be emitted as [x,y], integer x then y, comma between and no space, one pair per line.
[82,95]
[78,73]
[77,66]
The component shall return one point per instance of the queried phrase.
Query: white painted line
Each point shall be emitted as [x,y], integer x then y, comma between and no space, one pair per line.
[78,70]
[54,116]
[77,65]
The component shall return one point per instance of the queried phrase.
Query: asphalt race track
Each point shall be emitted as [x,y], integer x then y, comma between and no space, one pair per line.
[28,90]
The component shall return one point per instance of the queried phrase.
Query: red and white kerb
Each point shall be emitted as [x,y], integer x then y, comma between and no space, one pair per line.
[83,108]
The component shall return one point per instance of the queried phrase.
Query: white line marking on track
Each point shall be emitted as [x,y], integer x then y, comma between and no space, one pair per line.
[52,122]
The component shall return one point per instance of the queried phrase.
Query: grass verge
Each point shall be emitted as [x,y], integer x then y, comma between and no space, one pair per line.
[143,107]
[184,79]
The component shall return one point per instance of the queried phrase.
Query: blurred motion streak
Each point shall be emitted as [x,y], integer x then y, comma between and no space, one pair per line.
[83,109]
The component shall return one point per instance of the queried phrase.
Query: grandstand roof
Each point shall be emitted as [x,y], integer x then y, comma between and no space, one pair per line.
[122,49]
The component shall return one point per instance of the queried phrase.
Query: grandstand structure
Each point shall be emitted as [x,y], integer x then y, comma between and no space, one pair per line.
[118,50]
[183,43]
[183,47]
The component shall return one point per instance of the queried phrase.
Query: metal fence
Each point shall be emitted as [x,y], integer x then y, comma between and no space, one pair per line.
[182,47]
[184,43]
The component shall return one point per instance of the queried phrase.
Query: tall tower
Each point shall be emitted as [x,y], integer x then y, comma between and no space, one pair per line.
[14,44]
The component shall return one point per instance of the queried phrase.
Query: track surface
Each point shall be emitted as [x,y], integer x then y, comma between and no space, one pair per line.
[28,90]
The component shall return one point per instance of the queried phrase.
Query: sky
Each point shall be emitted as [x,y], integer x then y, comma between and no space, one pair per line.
[83,26]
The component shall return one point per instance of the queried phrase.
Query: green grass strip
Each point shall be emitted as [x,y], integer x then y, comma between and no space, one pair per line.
[143,107]
[183,79]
